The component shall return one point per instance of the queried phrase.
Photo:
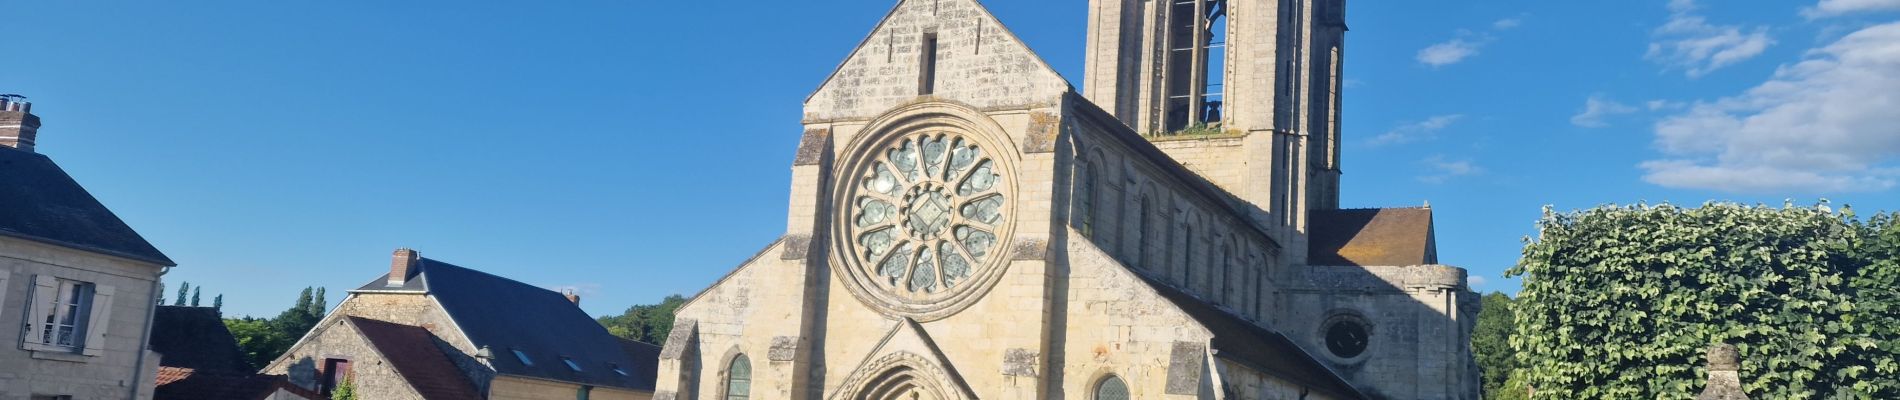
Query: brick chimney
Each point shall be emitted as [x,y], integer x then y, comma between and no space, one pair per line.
[18,126]
[571,296]
[402,266]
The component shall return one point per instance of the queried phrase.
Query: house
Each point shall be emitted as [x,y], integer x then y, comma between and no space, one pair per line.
[80,283]
[433,330]
[201,360]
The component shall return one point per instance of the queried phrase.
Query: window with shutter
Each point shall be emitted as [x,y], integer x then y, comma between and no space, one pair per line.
[67,316]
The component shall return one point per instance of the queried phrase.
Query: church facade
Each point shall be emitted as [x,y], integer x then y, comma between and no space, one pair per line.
[964,224]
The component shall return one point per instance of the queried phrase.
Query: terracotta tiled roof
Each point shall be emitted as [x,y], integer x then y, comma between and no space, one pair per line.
[188,384]
[44,204]
[413,353]
[1371,237]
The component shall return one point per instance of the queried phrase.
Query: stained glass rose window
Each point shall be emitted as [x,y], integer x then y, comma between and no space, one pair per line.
[925,216]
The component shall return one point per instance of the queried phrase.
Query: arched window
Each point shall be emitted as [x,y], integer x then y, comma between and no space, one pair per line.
[1111,389]
[739,379]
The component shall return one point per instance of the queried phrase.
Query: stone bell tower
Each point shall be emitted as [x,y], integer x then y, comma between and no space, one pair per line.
[1263,76]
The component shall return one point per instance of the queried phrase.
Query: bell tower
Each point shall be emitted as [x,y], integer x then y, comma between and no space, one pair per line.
[1265,71]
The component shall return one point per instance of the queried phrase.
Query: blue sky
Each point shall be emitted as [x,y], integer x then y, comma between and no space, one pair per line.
[637,149]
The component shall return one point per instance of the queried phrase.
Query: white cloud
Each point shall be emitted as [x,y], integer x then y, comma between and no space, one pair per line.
[1447,53]
[1416,131]
[1825,124]
[1443,170]
[1475,281]
[1688,41]
[1659,105]
[1508,23]
[1831,8]
[1596,109]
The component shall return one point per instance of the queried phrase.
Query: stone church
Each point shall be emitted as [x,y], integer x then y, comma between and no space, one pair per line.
[965,224]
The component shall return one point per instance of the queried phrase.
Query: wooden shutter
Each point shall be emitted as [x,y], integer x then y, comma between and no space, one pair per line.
[98,320]
[39,301]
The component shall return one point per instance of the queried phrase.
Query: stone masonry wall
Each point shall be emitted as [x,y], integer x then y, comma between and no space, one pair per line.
[1193,240]
[978,62]
[341,340]
[515,388]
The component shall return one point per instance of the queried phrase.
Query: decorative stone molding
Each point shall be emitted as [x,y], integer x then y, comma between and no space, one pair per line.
[902,369]
[1019,362]
[1186,363]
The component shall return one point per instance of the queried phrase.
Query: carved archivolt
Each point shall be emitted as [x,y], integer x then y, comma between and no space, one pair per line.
[926,202]
[902,376]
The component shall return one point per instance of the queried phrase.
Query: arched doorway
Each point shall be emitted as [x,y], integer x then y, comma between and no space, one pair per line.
[900,383]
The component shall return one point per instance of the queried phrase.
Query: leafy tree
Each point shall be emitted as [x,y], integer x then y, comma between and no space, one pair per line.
[646,322]
[194,295]
[184,288]
[1491,343]
[262,340]
[345,390]
[217,303]
[1621,302]
[259,342]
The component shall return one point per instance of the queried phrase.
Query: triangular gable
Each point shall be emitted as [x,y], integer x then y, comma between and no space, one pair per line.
[979,62]
[906,348]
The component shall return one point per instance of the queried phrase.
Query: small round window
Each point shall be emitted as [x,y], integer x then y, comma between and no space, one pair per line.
[1347,338]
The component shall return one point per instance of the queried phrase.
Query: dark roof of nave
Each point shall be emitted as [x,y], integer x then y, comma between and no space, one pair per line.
[413,353]
[195,338]
[1240,340]
[43,203]
[1371,237]
[506,315]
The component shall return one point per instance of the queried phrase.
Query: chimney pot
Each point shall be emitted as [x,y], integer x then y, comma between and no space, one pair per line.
[402,266]
[571,296]
[19,128]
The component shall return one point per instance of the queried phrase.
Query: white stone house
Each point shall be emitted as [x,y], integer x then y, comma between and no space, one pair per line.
[78,283]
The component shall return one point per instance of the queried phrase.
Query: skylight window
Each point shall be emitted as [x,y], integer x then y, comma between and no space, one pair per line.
[571,365]
[524,358]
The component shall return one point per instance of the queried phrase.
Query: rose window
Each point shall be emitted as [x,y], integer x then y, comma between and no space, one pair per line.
[926,215]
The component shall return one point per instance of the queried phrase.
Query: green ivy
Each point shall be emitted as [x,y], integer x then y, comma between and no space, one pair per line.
[1622,302]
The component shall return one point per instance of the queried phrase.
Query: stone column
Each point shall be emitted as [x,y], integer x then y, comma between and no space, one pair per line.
[1725,381]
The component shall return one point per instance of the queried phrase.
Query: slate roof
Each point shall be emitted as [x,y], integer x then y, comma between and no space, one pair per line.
[413,353]
[507,316]
[195,338]
[187,384]
[1240,340]
[44,204]
[1372,237]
